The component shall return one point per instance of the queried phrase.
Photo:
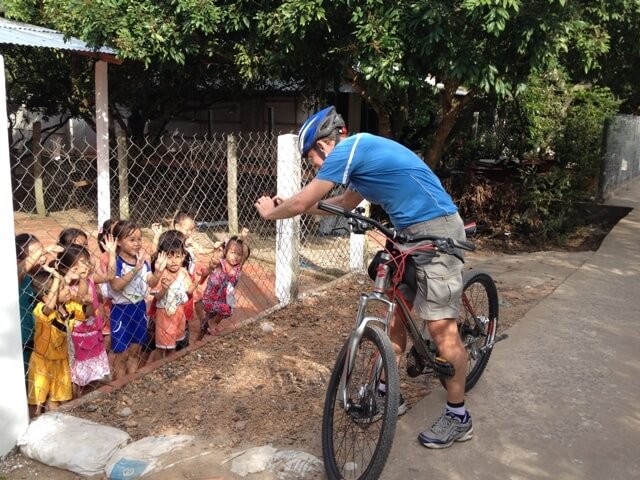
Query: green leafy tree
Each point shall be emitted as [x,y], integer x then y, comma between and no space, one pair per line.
[33,74]
[390,51]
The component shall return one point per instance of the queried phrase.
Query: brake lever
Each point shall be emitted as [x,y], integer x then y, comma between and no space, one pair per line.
[445,245]
[450,246]
[358,226]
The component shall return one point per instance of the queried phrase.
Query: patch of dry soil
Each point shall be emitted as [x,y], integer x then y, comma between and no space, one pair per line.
[252,387]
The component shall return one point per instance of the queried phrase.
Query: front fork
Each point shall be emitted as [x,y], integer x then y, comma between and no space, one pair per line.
[361,323]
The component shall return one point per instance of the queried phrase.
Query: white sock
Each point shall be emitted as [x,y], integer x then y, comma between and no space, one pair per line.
[458,411]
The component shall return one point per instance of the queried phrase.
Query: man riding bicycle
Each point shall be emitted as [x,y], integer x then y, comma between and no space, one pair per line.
[388,174]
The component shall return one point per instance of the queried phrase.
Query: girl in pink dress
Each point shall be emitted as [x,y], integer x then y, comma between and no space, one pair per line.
[89,361]
[222,276]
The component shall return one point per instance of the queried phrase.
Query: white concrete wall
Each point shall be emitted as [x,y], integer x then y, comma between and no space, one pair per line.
[14,414]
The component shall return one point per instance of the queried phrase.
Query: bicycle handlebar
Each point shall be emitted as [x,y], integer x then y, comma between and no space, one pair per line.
[360,224]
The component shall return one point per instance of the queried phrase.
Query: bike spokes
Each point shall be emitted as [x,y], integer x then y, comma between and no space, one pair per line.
[357,436]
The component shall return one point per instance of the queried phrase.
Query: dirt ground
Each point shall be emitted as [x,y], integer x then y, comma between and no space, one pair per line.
[253,386]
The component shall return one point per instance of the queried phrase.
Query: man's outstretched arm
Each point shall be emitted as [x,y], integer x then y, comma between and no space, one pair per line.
[303,201]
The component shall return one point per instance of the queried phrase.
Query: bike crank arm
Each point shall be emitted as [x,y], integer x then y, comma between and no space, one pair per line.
[489,346]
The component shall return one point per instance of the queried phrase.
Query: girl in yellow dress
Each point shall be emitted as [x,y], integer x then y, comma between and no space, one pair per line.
[49,377]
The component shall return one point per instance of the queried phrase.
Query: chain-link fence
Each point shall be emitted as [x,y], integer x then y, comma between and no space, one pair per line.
[214,180]
[621,153]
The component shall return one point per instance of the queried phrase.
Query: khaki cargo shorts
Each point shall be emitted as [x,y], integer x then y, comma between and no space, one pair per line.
[439,277]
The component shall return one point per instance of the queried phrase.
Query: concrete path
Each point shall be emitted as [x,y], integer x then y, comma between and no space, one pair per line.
[560,398]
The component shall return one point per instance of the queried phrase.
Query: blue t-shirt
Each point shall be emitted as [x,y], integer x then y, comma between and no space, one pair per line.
[390,175]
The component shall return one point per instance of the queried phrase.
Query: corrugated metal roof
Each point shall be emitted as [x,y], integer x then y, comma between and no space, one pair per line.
[17,33]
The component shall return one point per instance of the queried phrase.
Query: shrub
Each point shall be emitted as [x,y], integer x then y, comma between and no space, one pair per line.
[546,201]
[579,147]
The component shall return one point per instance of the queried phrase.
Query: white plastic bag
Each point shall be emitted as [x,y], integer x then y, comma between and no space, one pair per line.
[142,457]
[71,443]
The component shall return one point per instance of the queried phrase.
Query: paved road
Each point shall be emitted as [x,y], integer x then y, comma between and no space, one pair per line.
[561,397]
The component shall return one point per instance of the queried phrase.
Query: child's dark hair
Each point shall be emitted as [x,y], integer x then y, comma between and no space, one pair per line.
[23,240]
[171,241]
[124,228]
[181,217]
[235,239]
[105,230]
[69,256]
[69,236]
[41,283]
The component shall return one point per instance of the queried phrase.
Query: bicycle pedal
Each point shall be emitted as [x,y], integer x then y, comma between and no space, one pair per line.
[444,367]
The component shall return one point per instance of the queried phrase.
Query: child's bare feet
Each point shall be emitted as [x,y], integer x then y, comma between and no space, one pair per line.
[215,331]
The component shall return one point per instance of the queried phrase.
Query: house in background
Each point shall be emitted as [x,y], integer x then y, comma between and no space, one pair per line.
[271,113]
[274,114]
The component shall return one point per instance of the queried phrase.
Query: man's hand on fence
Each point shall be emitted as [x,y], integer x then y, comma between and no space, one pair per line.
[264,205]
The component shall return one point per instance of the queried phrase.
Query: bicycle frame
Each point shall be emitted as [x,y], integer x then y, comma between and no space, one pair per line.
[361,324]
[389,295]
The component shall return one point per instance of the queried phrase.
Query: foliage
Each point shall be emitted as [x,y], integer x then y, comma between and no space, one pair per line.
[541,111]
[562,127]
[386,49]
[69,75]
[547,198]
[579,146]
[619,66]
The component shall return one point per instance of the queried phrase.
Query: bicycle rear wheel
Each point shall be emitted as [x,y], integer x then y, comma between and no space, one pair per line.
[478,322]
[356,440]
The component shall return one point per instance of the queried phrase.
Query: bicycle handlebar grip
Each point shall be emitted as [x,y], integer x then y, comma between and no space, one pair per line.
[327,207]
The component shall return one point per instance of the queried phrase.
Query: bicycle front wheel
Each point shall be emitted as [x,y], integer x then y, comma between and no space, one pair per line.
[357,437]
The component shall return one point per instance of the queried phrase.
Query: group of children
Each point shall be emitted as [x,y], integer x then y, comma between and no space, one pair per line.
[88,319]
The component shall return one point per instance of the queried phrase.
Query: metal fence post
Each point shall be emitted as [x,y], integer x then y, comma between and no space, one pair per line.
[357,244]
[232,183]
[288,230]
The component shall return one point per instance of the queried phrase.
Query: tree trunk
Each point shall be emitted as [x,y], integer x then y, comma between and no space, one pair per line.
[399,114]
[37,168]
[451,105]
[384,118]
[384,122]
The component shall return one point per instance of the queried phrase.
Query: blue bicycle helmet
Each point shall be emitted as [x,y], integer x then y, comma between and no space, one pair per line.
[317,126]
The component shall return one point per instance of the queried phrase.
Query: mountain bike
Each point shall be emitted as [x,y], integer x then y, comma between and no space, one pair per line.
[358,423]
